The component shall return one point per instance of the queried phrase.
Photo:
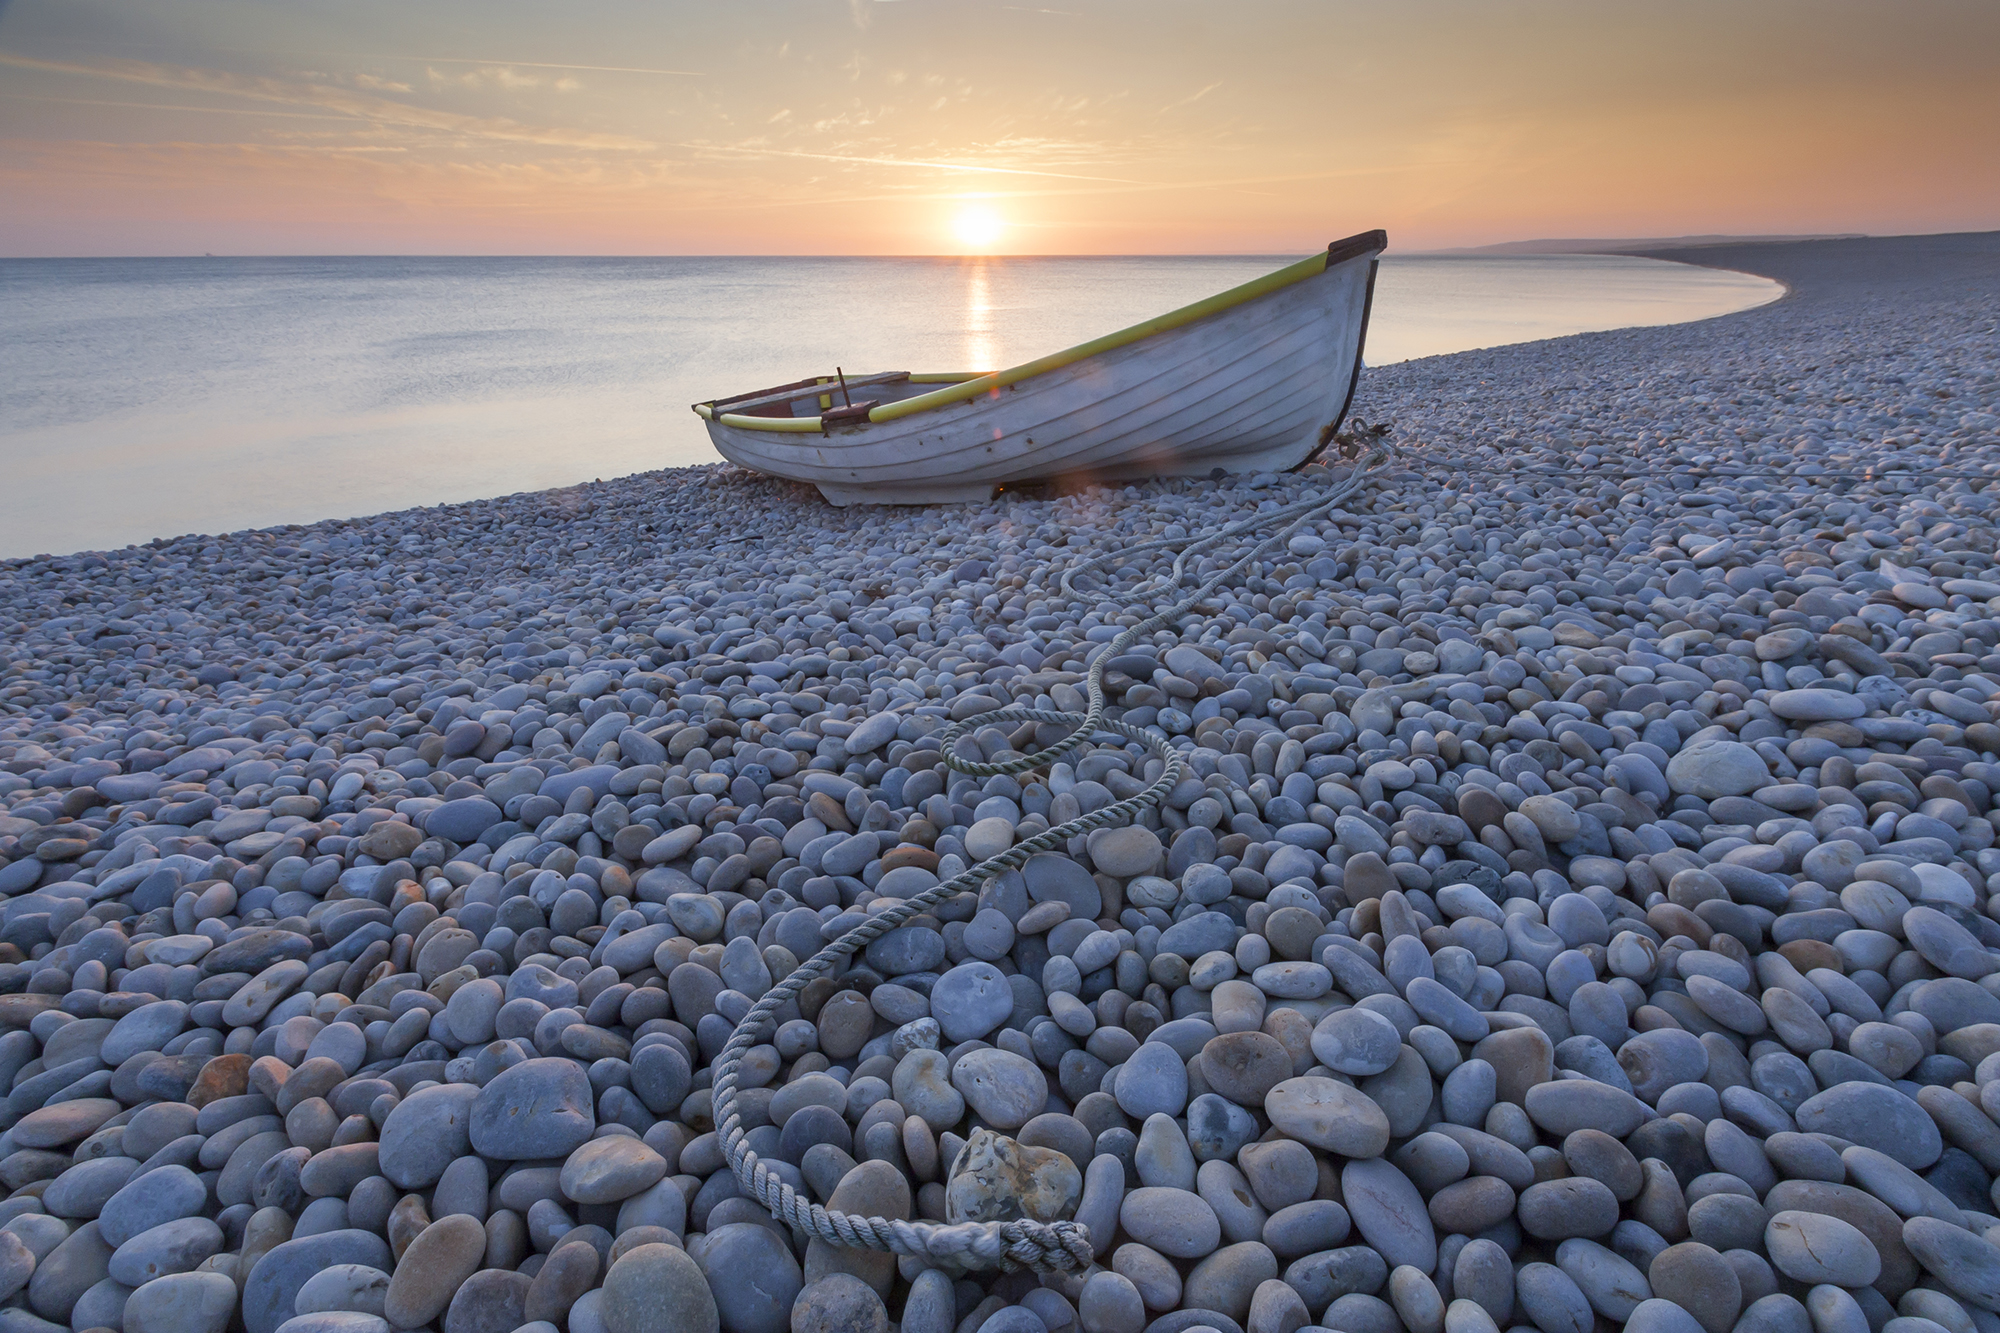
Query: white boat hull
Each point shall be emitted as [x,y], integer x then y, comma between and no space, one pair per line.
[1258,386]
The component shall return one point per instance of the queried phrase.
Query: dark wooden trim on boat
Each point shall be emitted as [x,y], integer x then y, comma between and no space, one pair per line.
[853,414]
[1359,244]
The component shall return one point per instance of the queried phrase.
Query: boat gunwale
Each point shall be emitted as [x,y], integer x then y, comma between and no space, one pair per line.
[963,388]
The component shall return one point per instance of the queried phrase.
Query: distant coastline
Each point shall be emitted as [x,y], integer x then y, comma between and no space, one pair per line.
[1637,245]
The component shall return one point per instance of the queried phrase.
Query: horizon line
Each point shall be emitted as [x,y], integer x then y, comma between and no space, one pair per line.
[1490,250]
[1505,249]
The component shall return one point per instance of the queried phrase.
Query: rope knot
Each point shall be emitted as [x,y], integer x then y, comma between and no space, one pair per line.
[1049,1246]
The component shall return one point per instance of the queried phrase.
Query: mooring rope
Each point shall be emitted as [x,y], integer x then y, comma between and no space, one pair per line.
[1025,1243]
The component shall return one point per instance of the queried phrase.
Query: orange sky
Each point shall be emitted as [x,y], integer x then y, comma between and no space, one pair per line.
[930,126]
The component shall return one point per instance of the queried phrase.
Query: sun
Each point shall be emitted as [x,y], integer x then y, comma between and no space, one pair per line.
[977,227]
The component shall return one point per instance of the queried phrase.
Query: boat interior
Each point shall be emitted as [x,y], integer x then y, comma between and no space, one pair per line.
[835,396]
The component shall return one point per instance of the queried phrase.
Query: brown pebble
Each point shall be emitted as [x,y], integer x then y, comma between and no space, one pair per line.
[923,858]
[224,1076]
[431,1270]
[407,1221]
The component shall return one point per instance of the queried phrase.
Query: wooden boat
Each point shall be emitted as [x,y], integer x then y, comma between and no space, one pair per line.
[1256,378]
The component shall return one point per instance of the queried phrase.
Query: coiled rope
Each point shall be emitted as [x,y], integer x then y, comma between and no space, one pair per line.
[1025,1243]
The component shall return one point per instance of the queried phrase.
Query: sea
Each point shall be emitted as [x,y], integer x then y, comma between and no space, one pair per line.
[144,398]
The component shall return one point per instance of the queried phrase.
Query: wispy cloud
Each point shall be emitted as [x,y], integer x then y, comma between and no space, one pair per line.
[1242,184]
[1192,98]
[858,159]
[504,76]
[167,106]
[379,110]
[544,64]
[861,20]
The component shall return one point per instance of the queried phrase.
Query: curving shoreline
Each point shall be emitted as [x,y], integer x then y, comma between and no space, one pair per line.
[420,387]
[1627,759]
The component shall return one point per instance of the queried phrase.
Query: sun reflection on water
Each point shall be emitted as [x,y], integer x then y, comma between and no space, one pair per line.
[982,351]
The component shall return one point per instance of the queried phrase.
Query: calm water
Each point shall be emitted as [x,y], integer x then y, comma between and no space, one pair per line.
[152,397]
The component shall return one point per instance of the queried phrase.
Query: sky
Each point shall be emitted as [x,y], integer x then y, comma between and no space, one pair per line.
[140,127]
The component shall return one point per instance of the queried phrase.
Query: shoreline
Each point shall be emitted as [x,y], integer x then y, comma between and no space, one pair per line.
[1613,781]
[1683,257]
[386,461]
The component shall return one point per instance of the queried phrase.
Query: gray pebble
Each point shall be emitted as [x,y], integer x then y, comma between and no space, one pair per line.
[1814,1248]
[1389,1213]
[1329,1115]
[658,1289]
[1174,1222]
[1875,1116]
[754,1278]
[1552,1300]
[1609,1281]
[425,1133]
[199,1302]
[1153,1081]
[971,1000]
[1002,1088]
[1356,1042]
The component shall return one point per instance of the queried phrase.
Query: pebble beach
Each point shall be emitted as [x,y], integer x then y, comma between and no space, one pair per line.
[1583,910]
